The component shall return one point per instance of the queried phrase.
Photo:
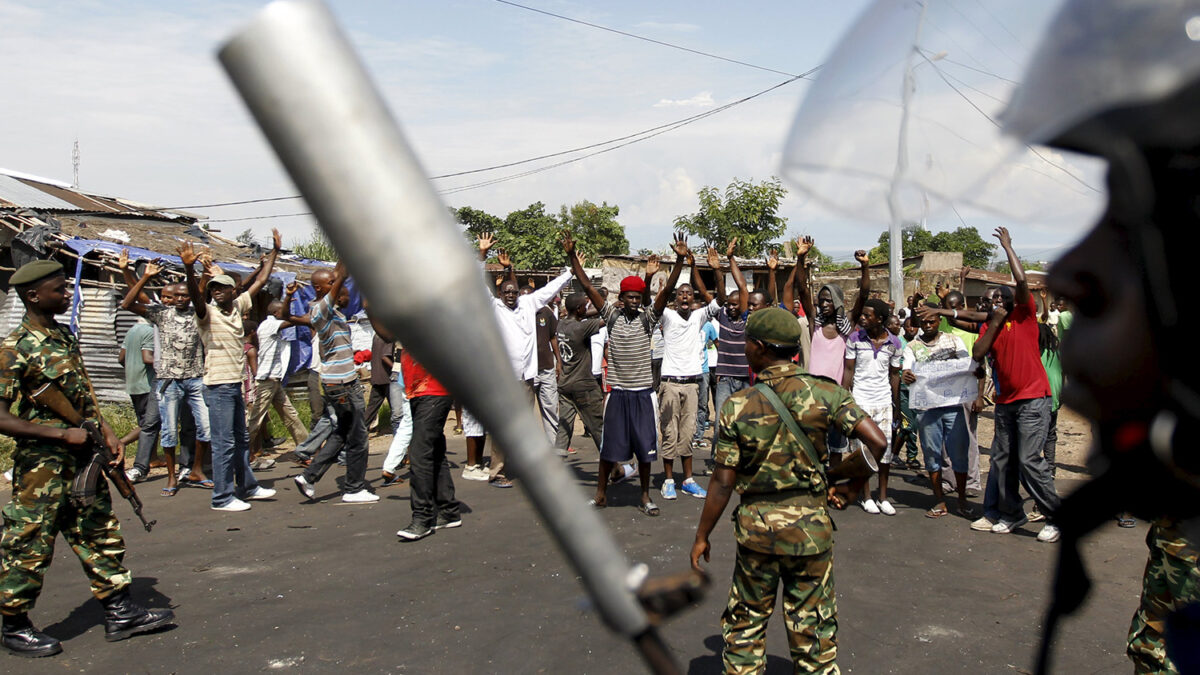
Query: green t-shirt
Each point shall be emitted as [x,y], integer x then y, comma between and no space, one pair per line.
[1054,373]
[1064,323]
[138,375]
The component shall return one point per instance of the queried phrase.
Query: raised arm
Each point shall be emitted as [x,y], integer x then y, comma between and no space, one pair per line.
[984,344]
[188,255]
[772,284]
[714,261]
[864,286]
[800,277]
[738,279]
[1045,305]
[505,261]
[127,274]
[697,282]
[577,269]
[652,267]
[964,319]
[265,274]
[1018,272]
[288,317]
[486,242]
[682,254]
[133,300]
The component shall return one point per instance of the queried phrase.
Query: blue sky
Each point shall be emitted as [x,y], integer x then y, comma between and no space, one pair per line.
[474,83]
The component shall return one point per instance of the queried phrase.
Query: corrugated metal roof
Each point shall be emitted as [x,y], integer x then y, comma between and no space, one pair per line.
[18,193]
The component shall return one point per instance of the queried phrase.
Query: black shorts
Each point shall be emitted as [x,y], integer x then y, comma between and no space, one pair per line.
[630,426]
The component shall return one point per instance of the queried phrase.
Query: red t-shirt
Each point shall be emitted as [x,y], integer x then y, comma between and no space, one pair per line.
[418,381]
[1016,358]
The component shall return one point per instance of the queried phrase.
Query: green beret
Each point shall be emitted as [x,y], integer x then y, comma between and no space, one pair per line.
[35,271]
[775,326]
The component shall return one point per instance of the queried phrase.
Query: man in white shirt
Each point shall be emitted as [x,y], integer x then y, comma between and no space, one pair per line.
[517,316]
[679,388]
[274,353]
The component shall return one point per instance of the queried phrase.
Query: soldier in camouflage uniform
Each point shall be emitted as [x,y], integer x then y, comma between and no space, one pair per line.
[48,454]
[1171,582]
[783,528]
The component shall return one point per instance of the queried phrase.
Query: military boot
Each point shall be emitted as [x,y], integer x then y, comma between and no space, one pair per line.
[125,618]
[22,639]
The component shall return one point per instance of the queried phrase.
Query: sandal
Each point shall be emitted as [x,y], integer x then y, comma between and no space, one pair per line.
[649,509]
[936,512]
[170,491]
[205,484]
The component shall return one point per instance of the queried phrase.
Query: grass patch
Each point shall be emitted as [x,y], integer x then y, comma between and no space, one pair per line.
[119,416]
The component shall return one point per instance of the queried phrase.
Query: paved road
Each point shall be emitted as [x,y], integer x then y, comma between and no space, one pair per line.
[318,587]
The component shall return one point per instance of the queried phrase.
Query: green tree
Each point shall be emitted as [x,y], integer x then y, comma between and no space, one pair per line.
[316,247]
[246,237]
[745,210]
[477,222]
[595,229]
[1029,265]
[915,240]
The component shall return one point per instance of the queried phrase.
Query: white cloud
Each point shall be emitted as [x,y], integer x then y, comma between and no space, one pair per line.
[702,100]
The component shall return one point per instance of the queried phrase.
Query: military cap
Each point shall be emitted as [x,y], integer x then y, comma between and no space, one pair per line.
[775,326]
[35,271]
[223,279]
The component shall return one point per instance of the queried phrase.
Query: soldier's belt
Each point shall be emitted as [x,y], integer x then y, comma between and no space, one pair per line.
[796,497]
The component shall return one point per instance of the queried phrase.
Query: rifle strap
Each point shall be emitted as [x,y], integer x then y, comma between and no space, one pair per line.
[785,415]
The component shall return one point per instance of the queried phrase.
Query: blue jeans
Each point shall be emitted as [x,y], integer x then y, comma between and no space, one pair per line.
[943,428]
[726,386]
[230,443]
[170,393]
[1017,460]
[706,388]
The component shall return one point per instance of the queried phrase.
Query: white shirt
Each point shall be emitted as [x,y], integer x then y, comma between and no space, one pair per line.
[683,340]
[519,326]
[274,353]
[598,341]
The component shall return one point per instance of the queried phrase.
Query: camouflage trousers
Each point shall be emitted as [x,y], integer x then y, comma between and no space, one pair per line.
[1171,582]
[809,611]
[39,510]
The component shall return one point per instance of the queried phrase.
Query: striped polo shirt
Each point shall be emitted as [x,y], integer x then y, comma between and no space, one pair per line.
[333,335]
[629,348]
[731,347]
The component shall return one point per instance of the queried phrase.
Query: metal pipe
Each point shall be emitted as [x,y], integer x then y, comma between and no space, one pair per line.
[335,136]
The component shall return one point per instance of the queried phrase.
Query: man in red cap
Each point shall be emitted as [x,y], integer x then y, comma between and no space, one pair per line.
[630,417]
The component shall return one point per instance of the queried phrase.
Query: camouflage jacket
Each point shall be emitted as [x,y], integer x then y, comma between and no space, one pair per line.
[31,357]
[783,508]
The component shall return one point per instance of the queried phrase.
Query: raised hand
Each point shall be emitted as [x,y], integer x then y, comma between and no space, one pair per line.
[861,256]
[772,260]
[486,242]
[205,258]
[154,267]
[187,253]
[731,247]
[714,258]
[803,246]
[568,244]
[1004,237]
[503,258]
[680,245]
[1042,293]
[339,271]
[652,264]
[123,260]
[924,312]
[276,239]
[292,288]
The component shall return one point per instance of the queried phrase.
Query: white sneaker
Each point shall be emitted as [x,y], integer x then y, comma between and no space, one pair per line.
[306,488]
[869,506]
[983,524]
[886,508]
[363,496]
[235,505]
[1048,534]
[475,472]
[135,475]
[261,492]
[1009,526]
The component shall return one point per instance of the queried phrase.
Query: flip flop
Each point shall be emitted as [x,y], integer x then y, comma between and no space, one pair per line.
[649,509]
[169,491]
[936,513]
[205,484]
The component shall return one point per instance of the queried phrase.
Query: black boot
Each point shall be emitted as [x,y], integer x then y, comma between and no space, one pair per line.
[125,618]
[22,639]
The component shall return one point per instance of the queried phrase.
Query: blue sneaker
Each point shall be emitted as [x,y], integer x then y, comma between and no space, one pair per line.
[668,489]
[691,487]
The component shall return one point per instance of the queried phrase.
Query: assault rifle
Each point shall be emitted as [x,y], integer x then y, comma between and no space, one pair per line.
[83,489]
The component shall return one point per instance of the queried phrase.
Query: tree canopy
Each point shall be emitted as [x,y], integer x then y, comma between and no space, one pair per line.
[532,237]
[976,251]
[745,210]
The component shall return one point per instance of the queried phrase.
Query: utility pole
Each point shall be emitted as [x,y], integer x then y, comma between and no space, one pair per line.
[75,165]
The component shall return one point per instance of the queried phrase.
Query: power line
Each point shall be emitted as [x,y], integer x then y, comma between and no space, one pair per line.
[645,39]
